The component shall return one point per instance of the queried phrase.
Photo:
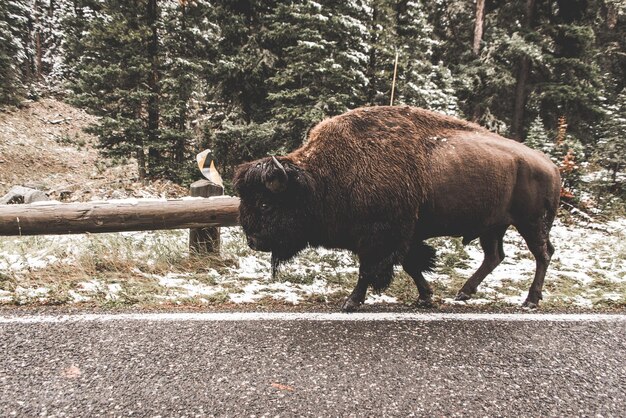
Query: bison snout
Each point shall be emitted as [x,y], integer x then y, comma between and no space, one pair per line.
[256,244]
[252,242]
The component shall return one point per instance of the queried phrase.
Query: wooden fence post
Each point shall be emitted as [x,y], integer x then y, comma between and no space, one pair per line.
[204,240]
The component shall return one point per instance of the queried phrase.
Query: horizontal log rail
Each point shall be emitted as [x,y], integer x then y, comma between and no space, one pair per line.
[137,215]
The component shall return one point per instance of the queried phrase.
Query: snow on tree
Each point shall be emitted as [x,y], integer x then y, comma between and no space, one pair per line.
[611,149]
[537,137]
[15,67]
[322,63]
[421,82]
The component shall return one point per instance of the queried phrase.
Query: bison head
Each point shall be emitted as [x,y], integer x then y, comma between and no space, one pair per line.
[275,210]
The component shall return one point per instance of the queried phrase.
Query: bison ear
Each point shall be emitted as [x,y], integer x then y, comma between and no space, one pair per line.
[275,176]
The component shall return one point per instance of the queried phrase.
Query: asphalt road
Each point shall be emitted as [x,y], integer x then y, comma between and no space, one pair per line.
[400,366]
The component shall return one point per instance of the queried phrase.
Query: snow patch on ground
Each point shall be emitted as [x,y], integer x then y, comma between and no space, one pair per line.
[373,299]
[25,294]
[286,291]
[583,255]
[180,286]
[77,297]
[113,290]
[16,262]
[251,267]
[591,258]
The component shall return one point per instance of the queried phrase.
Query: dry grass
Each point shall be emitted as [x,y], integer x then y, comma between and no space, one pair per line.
[156,269]
[107,259]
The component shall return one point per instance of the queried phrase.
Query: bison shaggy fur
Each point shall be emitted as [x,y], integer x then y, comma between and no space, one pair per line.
[379,181]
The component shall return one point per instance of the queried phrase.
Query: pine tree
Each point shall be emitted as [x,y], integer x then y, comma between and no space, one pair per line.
[322,65]
[488,80]
[526,35]
[453,29]
[239,127]
[113,79]
[75,19]
[15,67]
[379,55]
[188,41]
[611,149]
[283,67]
[610,29]
[421,82]
[236,80]
[572,85]
[537,137]
[52,35]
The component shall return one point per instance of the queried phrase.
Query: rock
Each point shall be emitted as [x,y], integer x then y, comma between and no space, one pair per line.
[20,194]
[65,195]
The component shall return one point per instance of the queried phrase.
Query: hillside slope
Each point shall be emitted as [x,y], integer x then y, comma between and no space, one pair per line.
[43,145]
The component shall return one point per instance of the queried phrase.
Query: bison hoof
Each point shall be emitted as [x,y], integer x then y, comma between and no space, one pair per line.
[530,305]
[462,296]
[350,305]
[424,303]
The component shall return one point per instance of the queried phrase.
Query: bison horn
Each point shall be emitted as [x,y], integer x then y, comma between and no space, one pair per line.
[276,180]
[279,165]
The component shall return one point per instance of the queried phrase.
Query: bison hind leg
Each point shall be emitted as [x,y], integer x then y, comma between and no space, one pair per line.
[542,249]
[491,244]
[420,258]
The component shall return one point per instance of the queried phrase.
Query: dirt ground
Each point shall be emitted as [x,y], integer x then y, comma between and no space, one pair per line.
[43,145]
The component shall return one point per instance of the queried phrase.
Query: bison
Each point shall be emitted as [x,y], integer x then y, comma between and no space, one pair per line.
[378,181]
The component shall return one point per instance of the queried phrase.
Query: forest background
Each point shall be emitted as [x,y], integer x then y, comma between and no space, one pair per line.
[169,78]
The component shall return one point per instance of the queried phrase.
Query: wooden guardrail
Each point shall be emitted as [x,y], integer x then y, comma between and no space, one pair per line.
[203,215]
[96,217]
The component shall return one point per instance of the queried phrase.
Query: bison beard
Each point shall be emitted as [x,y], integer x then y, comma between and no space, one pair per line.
[379,181]
[278,259]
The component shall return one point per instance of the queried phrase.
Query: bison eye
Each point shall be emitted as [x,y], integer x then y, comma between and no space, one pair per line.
[264,206]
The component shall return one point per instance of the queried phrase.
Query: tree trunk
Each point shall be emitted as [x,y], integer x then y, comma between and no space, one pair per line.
[478,26]
[476,112]
[28,63]
[612,14]
[520,100]
[373,58]
[38,49]
[47,67]
[179,146]
[519,105]
[141,162]
[154,155]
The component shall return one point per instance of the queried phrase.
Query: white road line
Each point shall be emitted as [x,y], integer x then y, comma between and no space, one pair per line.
[311,316]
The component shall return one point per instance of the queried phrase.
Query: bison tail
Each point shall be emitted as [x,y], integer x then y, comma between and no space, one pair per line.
[420,258]
[425,257]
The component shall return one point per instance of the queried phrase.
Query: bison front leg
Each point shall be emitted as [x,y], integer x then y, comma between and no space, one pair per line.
[377,275]
[420,258]
[357,297]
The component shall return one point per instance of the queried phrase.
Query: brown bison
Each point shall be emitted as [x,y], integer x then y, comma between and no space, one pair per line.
[379,181]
